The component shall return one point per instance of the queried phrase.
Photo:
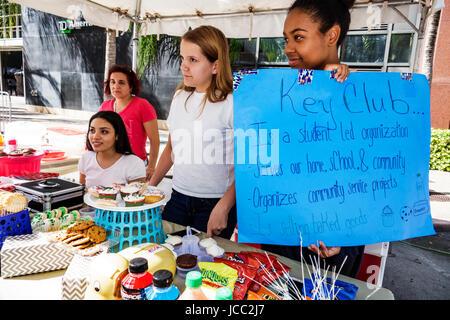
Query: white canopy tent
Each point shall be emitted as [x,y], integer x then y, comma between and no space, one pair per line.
[236,18]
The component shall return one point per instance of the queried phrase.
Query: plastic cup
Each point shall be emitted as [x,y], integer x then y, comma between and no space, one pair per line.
[190,243]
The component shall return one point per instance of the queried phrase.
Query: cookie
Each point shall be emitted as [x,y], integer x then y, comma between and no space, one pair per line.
[85,245]
[80,241]
[64,235]
[72,238]
[63,210]
[96,234]
[80,225]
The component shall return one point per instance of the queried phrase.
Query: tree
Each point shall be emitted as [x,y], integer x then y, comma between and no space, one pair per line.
[110,55]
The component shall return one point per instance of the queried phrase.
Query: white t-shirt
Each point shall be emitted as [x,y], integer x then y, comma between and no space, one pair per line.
[202,145]
[127,168]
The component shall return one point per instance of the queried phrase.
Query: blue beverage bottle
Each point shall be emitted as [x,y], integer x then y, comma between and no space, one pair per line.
[162,288]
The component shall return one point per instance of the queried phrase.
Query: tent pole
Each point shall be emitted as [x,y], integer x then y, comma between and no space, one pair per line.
[135,35]
[135,46]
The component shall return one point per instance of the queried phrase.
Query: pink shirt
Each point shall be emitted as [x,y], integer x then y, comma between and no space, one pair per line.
[134,116]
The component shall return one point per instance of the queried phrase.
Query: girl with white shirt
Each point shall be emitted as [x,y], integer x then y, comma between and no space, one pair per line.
[109,158]
[200,144]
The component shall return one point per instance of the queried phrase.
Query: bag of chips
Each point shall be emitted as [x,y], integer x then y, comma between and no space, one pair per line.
[262,294]
[245,277]
[268,266]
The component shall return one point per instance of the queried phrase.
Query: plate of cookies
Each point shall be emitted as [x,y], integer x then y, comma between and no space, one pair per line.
[84,237]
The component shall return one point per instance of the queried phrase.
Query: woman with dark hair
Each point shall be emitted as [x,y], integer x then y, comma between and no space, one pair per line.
[137,113]
[313,32]
[109,158]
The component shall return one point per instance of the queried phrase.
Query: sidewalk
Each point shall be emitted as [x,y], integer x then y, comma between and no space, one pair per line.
[440,199]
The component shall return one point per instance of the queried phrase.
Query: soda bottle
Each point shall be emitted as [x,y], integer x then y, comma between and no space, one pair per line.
[193,289]
[162,288]
[224,293]
[137,280]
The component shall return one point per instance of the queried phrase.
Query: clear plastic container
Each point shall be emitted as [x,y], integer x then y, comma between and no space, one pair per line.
[193,289]
[189,243]
[88,211]
[182,272]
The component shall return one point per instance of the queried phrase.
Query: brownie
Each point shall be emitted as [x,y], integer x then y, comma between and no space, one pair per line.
[186,261]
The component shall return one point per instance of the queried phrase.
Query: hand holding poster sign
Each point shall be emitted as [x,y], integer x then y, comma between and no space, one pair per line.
[344,163]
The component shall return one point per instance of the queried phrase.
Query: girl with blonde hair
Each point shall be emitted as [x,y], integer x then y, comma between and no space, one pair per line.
[200,144]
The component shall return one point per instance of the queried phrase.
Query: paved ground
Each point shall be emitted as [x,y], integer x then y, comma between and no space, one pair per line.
[417,268]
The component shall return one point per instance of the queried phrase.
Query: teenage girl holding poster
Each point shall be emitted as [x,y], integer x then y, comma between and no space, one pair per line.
[313,32]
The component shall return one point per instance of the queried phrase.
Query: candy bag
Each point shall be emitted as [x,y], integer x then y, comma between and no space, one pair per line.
[216,275]
[246,274]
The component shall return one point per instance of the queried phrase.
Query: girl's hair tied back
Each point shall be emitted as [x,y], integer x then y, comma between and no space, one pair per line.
[348,3]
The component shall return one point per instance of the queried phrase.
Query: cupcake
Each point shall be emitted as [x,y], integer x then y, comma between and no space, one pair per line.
[128,190]
[134,200]
[152,195]
[137,184]
[117,186]
[108,193]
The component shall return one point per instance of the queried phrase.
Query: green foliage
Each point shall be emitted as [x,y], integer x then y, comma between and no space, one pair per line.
[151,51]
[236,47]
[147,53]
[440,150]
[8,12]
[274,49]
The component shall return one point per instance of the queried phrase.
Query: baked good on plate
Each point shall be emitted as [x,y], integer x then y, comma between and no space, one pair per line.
[134,200]
[152,194]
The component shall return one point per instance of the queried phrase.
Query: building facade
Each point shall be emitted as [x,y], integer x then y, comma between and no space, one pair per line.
[440,81]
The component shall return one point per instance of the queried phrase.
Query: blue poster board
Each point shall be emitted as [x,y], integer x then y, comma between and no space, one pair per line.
[345,163]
